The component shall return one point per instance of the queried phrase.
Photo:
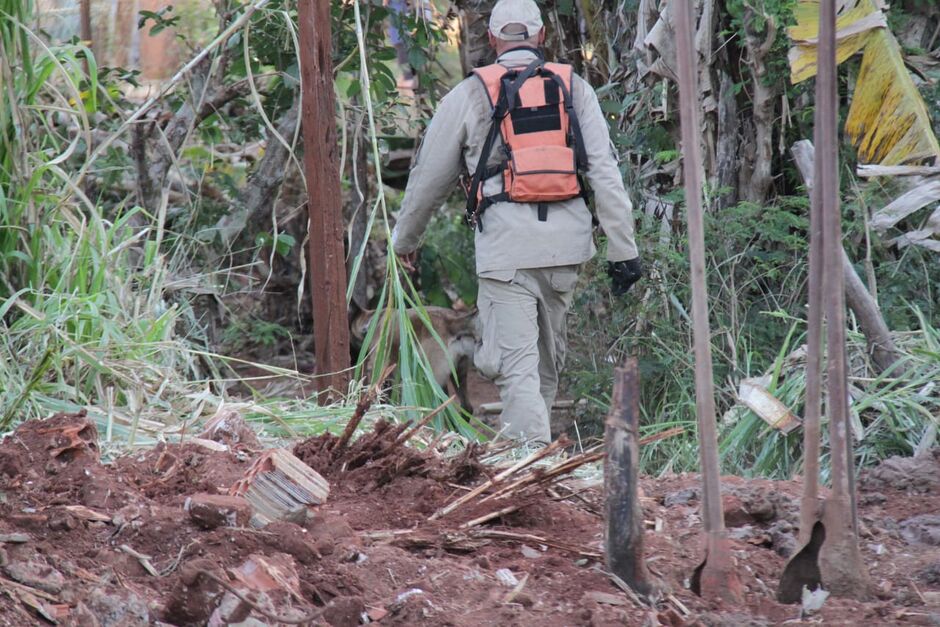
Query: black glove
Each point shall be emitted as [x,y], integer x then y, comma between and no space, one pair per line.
[623,274]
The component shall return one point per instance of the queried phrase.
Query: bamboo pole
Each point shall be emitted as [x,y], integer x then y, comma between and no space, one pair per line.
[716,576]
[843,571]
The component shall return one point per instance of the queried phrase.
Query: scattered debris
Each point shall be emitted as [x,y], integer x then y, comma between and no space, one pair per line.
[229,428]
[125,553]
[216,510]
[923,529]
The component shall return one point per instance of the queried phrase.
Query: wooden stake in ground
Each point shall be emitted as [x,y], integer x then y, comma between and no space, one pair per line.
[840,561]
[715,577]
[624,534]
[324,202]
[831,556]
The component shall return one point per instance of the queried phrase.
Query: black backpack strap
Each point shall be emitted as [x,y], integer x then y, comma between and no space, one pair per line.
[474,206]
[512,90]
[579,150]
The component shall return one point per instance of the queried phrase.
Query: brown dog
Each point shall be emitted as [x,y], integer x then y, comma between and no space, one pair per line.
[457,330]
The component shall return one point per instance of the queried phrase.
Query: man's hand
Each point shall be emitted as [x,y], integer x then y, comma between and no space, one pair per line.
[623,274]
[409,261]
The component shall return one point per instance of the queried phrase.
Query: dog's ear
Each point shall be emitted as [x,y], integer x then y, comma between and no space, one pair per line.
[360,323]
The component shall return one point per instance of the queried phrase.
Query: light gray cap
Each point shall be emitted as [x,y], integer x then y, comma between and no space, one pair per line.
[515,20]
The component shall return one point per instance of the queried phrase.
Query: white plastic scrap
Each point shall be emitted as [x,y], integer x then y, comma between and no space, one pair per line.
[408,593]
[813,601]
[505,577]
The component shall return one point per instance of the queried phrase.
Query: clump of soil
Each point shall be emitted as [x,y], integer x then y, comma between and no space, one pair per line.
[87,543]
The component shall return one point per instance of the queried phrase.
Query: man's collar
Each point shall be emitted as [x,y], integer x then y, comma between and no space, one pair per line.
[523,53]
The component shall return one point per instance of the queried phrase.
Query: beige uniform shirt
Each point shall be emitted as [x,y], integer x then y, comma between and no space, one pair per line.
[513,238]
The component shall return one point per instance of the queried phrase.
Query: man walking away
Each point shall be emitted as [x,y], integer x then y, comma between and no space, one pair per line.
[532,136]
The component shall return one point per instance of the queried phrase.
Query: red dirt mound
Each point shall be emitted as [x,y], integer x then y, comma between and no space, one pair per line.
[84,543]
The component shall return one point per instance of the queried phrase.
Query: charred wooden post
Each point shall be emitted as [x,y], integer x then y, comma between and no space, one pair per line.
[324,200]
[623,541]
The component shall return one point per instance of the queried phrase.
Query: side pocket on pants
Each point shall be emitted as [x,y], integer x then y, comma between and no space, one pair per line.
[564,280]
[487,357]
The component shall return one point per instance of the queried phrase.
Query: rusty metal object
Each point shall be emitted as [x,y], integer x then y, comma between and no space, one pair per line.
[716,577]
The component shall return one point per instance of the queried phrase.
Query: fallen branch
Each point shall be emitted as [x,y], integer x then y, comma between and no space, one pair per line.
[662,435]
[548,475]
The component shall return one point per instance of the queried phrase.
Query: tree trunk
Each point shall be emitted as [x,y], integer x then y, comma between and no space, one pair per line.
[763,98]
[324,200]
[475,50]
[728,162]
[880,343]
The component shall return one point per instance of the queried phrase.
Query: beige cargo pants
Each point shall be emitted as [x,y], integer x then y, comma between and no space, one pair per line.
[523,345]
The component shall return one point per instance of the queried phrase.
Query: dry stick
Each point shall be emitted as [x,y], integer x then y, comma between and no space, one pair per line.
[143,559]
[361,408]
[515,591]
[531,459]
[308,618]
[407,435]
[662,435]
[490,516]
[495,534]
[716,577]
[545,477]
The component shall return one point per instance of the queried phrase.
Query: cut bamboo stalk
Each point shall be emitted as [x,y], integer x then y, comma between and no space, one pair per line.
[623,540]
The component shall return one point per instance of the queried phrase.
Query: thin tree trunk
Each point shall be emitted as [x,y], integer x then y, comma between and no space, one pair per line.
[728,137]
[881,345]
[763,99]
[324,200]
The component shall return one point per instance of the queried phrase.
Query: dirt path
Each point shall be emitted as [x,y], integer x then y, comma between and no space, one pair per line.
[73,532]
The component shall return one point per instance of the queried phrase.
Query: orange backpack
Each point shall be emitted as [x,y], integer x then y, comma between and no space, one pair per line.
[542,145]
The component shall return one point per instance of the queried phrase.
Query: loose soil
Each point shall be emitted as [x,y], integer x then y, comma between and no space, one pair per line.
[94,544]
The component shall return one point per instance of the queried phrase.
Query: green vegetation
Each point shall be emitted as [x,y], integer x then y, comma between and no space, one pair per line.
[152,300]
